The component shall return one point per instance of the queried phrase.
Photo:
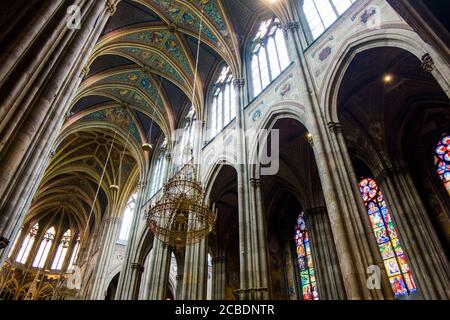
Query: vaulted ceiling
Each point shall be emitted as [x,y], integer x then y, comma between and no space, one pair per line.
[142,78]
[146,59]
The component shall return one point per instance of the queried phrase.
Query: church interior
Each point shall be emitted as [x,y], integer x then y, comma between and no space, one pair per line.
[224,150]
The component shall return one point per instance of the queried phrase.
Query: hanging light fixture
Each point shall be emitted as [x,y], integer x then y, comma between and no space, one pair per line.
[182,216]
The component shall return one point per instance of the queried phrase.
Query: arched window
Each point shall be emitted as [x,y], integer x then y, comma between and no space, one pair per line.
[185,144]
[44,248]
[61,251]
[383,227]
[269,55]
[74,256]
[27,244]
[158,173]
[127,218]
[222,109]
[442,161]
[321,14]
[305,263]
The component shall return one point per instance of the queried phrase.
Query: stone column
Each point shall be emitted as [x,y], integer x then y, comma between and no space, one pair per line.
[245,241]
[260,265]
[328,275]
[428,262]
[195,272]
[145,279]
[130,278]
[105,252]
[159,271]
[135,281]
[218,278]
[179,289]
[18,40]
[34,97]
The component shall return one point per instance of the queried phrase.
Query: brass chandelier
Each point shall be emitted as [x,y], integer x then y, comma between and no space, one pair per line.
[182,216]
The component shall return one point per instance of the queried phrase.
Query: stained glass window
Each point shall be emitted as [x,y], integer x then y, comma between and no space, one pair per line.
[269,55]
[321,14]
[305,263]
[61,251]
[44,248]
[394,258]
[158,173]
[222,109]
[442,161]
[27,244]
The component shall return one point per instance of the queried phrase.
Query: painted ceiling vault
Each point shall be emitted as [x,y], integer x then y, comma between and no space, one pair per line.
[141,79]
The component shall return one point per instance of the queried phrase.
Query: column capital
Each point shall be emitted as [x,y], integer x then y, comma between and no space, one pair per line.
[111,6]
[140,184]
[315,210]
[112,220]
[255,182]
[218,259]
[390,172]
[427,63]
[239,82]
[3,242]
[291,26]
[137,266]
[335,127]
[179,277]
[85,71]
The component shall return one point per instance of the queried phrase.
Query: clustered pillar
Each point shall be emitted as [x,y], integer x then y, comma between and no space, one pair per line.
[41,70]
[324,253]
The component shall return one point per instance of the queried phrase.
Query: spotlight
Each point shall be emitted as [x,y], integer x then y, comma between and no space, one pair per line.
[309,137]
[388,78]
